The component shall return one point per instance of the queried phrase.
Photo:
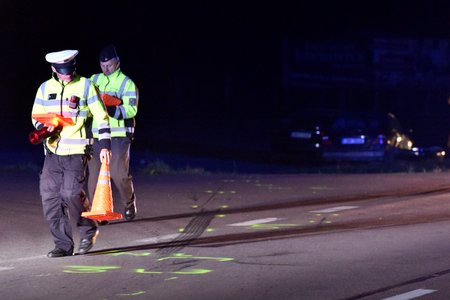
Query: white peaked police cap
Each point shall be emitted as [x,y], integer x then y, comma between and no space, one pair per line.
[61,57]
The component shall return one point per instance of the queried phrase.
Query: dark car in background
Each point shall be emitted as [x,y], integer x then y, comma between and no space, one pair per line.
[298,136]
[367,136]
[337,136]
[433,153]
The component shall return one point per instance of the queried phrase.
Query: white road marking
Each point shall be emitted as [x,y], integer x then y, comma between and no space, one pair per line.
[6,268]
[20,259]
[333,209]
[159,239]
[253,222]
[411,295]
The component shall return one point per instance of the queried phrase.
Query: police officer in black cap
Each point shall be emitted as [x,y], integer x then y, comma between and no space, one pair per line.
[120,96]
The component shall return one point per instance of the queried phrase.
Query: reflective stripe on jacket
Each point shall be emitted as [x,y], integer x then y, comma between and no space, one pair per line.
[53,96]
[122,117]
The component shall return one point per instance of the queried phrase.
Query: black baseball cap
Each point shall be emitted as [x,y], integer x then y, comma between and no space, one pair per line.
[108,53]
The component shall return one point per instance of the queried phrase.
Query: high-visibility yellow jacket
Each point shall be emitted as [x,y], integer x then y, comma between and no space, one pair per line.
[122,117]
[53,97]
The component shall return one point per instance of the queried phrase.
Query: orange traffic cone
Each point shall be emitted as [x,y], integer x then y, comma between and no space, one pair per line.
[102,205]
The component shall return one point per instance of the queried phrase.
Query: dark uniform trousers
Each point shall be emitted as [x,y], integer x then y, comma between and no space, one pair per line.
[63,198]
[119,168]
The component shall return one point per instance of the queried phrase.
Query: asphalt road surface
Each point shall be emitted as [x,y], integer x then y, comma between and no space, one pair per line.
[242,236]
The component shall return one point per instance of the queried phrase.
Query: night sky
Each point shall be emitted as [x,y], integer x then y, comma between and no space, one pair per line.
[184,56]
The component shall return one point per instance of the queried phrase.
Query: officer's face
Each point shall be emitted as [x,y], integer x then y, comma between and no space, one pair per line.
[109,66]
[64,77]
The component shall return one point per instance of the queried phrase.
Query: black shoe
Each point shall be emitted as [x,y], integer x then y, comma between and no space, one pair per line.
[86,245]
[57,252]
[104,222]
[130,212]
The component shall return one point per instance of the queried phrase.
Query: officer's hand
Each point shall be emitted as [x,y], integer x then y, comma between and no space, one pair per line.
[105,155]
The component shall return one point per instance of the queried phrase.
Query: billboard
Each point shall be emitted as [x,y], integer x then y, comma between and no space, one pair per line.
[373,62]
